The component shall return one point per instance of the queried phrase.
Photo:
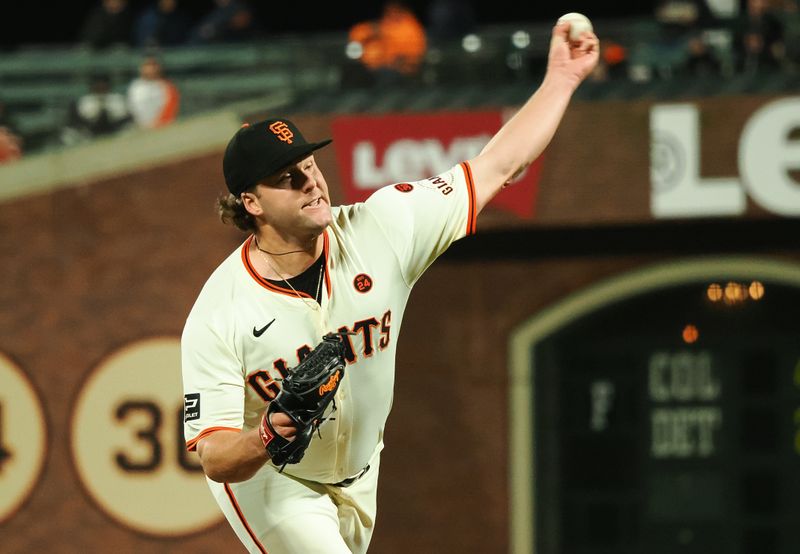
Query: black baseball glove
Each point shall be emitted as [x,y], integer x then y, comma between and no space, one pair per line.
[306,392]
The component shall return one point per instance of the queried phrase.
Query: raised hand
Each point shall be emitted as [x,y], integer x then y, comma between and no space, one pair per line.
[575,60]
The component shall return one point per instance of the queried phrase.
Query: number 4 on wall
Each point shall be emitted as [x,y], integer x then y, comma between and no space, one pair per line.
[5,454]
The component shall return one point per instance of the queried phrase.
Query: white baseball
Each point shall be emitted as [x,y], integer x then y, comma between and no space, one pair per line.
[578,24]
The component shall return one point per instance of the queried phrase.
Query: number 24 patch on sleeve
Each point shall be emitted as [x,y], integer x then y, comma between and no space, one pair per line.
[191,406]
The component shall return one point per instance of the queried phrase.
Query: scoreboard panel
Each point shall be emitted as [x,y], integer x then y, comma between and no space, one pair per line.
[669,422]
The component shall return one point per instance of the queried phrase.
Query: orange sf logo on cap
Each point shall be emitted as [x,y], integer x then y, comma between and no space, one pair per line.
[282,131]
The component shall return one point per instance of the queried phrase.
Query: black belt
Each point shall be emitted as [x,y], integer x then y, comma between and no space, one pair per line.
[350,480]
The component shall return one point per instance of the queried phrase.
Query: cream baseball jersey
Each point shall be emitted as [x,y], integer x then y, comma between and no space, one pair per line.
[244,333]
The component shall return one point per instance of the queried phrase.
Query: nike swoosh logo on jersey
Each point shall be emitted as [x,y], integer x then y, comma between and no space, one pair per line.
[258,332]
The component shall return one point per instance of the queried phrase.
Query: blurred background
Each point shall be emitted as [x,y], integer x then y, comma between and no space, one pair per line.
[610,365]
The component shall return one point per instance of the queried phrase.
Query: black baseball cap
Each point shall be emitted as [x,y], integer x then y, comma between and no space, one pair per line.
[261,149]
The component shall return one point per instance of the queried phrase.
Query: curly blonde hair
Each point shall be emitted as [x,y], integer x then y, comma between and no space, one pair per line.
[231,210]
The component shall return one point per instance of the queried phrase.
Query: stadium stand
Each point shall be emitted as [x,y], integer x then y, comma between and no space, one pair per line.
[498,65]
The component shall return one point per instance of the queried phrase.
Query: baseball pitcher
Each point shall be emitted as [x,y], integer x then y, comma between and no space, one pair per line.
[288,353]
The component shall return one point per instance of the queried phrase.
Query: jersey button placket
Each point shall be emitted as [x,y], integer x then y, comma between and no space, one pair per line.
[320,318]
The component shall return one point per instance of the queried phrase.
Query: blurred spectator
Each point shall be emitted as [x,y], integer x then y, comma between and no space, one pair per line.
[109,23]
[10,146]
[760,40]
[393,46]
[162,24]
[682,44]
[98,112]
[229,21]
[10,140]
[449,20]
[724,9]
[152,98]
[791,7]
[613,63]
[791,32]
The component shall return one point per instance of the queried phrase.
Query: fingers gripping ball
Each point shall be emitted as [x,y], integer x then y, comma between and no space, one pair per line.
[578,24]
[305,395]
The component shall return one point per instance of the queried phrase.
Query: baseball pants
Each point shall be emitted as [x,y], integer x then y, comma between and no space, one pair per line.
[275,513]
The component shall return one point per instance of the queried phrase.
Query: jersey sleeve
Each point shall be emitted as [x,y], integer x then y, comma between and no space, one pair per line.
[213,384]
[423,218]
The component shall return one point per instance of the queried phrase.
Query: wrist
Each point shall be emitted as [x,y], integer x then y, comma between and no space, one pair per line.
[265,433]
[561,81]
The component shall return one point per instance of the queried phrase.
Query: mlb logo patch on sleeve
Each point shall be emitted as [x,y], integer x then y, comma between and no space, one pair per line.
[191,406]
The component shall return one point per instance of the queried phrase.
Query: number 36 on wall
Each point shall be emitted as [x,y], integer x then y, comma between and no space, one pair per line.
[127,443]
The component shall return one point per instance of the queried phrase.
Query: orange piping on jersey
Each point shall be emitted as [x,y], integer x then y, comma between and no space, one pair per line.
[473,212]
[191,445]
[239,513]
[259,279]
[326,250]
